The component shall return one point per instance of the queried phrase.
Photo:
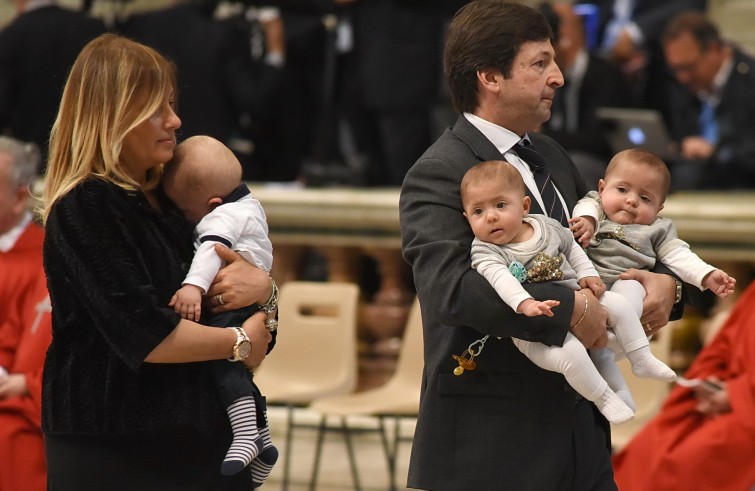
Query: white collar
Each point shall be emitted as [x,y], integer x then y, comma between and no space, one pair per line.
[8,240]
[502,138]
[719,81]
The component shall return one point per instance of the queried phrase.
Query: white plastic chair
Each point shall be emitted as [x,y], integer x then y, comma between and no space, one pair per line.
[316,350]
[397,398]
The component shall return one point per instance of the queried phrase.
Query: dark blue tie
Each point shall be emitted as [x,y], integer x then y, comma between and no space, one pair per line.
[545,186]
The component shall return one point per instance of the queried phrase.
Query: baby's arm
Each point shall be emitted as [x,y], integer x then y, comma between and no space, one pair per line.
[586,216]
[719,282]
[693,270]
[583,229]
[586,272]
[187,301]
[493,267]
[533,308]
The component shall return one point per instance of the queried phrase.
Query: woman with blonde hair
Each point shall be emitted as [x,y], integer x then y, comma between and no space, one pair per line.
[126,402]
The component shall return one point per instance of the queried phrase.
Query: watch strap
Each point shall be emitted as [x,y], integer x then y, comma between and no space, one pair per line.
[679,290]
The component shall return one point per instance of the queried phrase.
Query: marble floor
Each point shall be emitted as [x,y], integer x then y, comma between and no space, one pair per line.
[334,471]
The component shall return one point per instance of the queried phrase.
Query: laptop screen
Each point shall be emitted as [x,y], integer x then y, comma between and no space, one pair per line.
[626,128]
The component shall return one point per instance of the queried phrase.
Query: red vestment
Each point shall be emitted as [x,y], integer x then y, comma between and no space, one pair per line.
[25,333]
[683,449]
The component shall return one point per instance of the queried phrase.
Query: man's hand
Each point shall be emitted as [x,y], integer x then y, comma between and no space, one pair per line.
[589,326]
[660,292]
[712,402]
[696,148]
[13,385]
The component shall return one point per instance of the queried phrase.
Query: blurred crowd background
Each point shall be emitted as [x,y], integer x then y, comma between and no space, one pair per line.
[351,92]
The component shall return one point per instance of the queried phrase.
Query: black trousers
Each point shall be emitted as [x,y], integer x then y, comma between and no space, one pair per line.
[591,468]
[183,461]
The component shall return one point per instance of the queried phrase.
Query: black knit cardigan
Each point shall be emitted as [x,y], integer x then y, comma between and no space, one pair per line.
[112,264]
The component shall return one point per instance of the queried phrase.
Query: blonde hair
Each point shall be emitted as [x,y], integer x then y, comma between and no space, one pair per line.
[492,170]
[203,166]
[643,157]
[115,84]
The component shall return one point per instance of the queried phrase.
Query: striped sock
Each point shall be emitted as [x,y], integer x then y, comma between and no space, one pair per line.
[263,464]
[246,439]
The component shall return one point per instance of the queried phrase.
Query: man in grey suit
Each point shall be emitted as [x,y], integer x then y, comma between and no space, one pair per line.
[506,424]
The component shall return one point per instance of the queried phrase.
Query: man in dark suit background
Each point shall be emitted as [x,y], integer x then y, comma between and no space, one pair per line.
[506,424]
[37,50]
[220,86]
[629,36]
[590,82]
[713,111]
[396,60]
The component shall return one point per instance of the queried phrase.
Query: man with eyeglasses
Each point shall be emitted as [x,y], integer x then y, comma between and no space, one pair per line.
[712,113]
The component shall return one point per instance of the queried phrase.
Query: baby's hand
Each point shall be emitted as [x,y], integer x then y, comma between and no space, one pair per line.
[187,301]
[719,283]
[595,284]
[533,308]
[583,229]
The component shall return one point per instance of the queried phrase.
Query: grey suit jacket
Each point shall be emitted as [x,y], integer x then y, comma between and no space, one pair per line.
[508,424]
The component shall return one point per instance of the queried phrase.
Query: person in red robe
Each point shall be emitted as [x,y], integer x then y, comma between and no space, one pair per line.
[25,323]
[702,438]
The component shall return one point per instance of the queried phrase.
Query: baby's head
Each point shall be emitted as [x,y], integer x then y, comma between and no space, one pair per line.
[201,174]
[635,187]
[494,201]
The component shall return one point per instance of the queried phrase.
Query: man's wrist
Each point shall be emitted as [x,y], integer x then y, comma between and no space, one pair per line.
[584,312]
[679,290]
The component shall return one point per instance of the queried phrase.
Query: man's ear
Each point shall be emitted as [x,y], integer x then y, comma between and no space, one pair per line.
[526,203]
[490,79]
[22,199]
[215,202]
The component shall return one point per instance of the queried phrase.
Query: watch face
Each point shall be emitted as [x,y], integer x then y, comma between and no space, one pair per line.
[244,349]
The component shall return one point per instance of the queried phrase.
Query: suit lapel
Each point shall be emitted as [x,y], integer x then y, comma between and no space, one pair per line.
[476,141]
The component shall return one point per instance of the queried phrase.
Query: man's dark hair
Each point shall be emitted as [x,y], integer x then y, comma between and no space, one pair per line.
[487,34]
[697,25]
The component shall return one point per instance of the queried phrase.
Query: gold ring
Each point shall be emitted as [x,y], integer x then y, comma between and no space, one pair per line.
[219,299]
[648,328]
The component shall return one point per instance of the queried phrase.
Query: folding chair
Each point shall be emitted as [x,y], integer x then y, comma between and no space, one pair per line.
[397,398]
[316,349]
